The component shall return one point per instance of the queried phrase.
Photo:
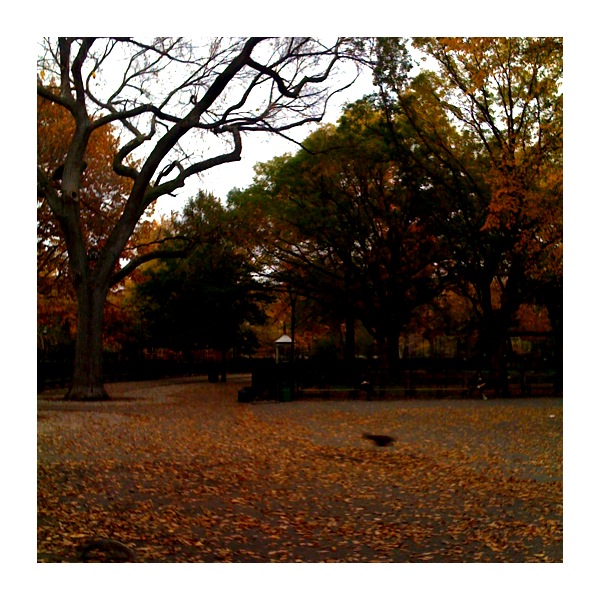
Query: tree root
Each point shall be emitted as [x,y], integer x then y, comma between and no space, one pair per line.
[106,550]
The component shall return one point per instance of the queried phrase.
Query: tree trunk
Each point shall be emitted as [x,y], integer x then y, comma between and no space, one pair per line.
[350,350]
[87,381]
[392,347]
[495,335]
[223,366]
[498,366]
[388,345]
[349,340]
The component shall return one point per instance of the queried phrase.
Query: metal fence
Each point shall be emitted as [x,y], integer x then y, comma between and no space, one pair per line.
[57,374]
[410,377]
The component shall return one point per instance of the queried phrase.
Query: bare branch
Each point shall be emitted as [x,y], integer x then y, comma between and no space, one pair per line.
[167,91]
[76,69]
[134,263]
[179,181]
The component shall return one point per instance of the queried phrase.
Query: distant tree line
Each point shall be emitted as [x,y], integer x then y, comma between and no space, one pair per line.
[438,200]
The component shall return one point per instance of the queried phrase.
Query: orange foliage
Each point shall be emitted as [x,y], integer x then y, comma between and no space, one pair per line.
[102,198]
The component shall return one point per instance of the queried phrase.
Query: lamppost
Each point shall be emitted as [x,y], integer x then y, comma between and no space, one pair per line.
[285,352]
[283,349]
[284,383]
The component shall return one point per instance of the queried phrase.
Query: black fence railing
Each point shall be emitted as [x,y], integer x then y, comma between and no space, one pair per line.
[303,378]
[57,374]
[413,378]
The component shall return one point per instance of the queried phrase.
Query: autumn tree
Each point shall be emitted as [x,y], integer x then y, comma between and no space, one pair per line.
[209,299]
[349,227]
[487,129]
[162,97]
[103,195]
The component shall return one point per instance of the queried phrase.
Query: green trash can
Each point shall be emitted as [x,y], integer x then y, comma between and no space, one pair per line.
[285,394]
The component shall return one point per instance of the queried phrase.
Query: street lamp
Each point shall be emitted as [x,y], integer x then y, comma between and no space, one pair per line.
[283,349]
[283,364]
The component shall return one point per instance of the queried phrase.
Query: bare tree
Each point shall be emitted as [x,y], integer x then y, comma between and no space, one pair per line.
[164,96]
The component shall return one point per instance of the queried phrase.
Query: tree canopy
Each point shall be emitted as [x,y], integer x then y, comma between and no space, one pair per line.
[163,96]
[435,200]
[103,195]
[450,180]
[348,225]
[487,123]
[207,299]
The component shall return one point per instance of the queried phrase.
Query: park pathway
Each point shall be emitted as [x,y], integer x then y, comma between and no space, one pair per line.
[181,472]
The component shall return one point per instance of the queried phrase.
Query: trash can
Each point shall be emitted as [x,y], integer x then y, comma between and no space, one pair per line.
[285,394]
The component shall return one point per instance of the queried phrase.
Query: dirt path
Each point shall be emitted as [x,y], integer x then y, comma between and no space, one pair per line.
[181,472]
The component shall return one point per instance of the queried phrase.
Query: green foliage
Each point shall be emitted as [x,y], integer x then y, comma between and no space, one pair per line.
[348,224]
[209,298]
[451,178]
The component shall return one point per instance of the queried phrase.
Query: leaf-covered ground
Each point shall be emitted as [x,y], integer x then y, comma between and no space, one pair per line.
[182,472]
